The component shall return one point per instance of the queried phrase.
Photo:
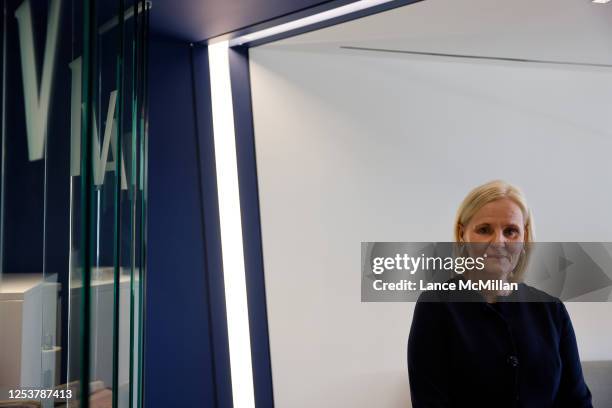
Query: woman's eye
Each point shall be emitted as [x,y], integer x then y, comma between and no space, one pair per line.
[482,230]
[511,232]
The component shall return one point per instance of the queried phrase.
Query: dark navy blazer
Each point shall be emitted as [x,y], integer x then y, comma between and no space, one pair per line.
[507,354]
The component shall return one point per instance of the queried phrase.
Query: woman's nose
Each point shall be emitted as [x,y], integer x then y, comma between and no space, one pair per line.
[498,237]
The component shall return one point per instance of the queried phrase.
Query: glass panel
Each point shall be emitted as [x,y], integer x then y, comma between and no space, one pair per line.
[71,201]
[37,47]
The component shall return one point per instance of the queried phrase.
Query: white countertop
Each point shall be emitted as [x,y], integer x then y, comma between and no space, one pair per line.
[13,286]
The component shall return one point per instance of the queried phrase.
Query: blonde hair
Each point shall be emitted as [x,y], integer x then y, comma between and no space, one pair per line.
[489,192]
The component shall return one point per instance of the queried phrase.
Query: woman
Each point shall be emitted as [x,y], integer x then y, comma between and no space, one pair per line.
[494,350]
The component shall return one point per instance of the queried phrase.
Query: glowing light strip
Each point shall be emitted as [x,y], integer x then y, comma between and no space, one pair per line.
[231,227]
[307,21]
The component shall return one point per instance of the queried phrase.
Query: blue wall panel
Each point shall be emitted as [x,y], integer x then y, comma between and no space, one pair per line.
[179,355]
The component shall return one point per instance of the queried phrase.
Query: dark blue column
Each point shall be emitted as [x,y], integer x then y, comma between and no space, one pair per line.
[182,356]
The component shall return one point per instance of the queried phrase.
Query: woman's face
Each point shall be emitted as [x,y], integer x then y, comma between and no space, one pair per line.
[497,231]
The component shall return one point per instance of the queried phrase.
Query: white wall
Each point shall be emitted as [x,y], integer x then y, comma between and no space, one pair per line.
[358,147]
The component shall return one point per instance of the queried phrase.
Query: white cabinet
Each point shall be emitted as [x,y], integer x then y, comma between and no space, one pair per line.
[28,313]
[30,353]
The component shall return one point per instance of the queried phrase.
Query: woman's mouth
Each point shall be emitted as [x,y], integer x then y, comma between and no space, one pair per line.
[496,256]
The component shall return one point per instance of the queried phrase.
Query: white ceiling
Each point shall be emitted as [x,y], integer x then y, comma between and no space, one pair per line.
[555,30]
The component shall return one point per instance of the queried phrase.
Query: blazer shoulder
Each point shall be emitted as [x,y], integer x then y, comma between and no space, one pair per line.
[531,294]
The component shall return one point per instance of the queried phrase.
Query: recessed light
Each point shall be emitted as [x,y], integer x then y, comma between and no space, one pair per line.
[601,1]
[309,21]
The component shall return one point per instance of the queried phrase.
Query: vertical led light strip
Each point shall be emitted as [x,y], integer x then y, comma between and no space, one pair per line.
[231,227]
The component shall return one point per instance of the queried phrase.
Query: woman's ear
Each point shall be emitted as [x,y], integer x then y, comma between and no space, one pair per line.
[460,231]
